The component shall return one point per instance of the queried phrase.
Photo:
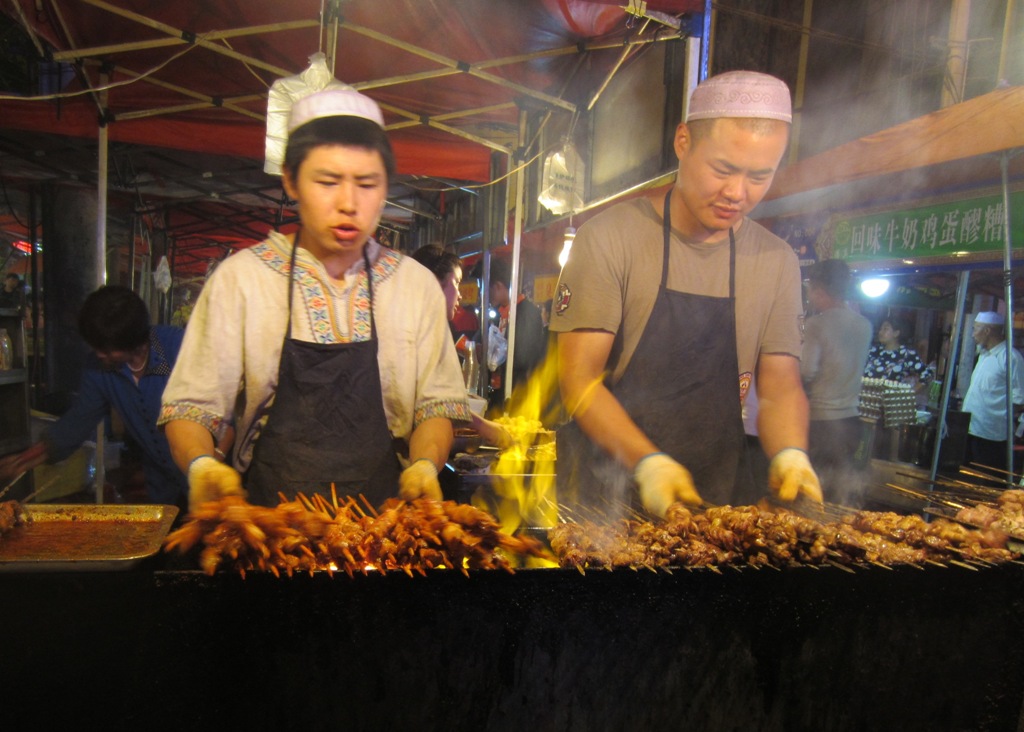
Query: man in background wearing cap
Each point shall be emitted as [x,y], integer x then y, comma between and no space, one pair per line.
[986,396]
[668,306]
[836,345]
[323,347]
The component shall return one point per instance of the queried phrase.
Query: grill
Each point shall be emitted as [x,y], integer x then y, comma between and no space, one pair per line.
[935,647]
[828,647]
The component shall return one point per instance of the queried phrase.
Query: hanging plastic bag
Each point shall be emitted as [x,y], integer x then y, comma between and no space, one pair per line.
[562,181]
[497,348]
[162,276]
[283,94]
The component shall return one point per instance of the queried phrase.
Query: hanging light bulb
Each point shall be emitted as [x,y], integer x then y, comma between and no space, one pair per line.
[563,256]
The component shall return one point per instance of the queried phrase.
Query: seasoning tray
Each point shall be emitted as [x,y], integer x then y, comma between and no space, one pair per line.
[84,537]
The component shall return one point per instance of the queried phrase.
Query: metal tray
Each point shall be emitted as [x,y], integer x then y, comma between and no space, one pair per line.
[84,537]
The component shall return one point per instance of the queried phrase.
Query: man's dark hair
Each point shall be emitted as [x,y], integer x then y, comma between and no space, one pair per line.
[337,130]
[833,276]
[113,318]
[13,276]
[501,271]
[700,129]
[438,260]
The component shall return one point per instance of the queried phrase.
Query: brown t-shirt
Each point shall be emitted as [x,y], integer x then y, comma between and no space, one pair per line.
[611,280]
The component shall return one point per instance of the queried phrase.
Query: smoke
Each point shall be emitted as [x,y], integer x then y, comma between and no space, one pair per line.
[846,485]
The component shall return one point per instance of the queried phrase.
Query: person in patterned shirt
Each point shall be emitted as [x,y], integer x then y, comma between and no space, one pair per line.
[890,359]
[328,352]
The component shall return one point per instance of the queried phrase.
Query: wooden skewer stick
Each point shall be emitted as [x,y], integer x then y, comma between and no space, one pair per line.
[965,565]
[981,562]
[373,511]
[1015,476]
[842,567]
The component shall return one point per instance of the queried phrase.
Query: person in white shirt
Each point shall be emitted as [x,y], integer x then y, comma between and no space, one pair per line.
[986,395]
[329,353]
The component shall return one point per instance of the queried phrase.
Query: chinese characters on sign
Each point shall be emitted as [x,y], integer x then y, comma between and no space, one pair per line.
[958,228]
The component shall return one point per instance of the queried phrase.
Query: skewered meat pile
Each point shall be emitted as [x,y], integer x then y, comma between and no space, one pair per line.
[305,535]
[751,535]
[11,514]
[1007,516]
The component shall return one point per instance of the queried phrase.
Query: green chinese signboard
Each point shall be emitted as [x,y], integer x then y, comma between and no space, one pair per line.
[957,229]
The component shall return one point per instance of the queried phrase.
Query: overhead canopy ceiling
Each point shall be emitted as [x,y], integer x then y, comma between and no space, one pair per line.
[182,87]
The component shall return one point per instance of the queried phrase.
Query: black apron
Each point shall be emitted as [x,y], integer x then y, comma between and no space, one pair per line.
[327,423]
[681,388]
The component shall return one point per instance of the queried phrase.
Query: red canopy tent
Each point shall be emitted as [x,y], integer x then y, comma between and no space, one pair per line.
[452,76]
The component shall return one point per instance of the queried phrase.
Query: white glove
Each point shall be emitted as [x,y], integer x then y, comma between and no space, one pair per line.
[209,480]
[419,480]
[663,482]
[790,473]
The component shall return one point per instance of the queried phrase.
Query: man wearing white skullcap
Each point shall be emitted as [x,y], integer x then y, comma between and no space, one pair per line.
[986,395]
[323,348]
[668,307]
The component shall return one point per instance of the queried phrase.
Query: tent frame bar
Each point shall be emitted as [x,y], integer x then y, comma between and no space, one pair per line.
[208,40]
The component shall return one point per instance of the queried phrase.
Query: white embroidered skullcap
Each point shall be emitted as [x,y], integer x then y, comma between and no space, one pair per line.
[989,318]
[334,102]
[741,94]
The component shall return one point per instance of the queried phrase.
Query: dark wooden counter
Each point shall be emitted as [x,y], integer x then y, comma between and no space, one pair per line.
[938,648]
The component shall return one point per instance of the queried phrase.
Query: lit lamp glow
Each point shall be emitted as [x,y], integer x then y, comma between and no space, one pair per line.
[874,287]
[563,256]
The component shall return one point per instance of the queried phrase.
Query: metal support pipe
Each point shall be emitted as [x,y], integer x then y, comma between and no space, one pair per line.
[137,223]
[707,29]
[623,55]
[495,219]
[801,80]
[333,16]
[37,354]
[513,286]
[102,165]
[517,239]
[951,364]
[956,53]
[168,297]
[1004,161]
[101,253]
[1004,49]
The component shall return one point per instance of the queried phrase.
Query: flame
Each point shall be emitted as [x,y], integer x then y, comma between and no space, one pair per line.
[523,478]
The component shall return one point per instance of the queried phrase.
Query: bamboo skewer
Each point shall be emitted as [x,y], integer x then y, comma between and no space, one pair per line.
[958,563]
[842,567]
[1016,478]
[373,511]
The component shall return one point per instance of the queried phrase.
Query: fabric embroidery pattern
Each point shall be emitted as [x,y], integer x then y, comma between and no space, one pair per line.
[275,253]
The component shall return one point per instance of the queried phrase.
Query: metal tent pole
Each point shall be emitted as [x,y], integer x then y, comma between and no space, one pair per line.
[1004,161]
[101,253]
[951,363]
[517,236]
